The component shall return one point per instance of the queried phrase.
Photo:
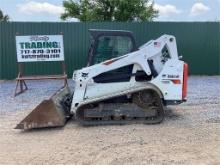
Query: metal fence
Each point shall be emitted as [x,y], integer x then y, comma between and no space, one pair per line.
[198,43]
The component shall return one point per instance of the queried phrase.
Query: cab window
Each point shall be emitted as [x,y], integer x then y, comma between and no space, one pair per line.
[111,47]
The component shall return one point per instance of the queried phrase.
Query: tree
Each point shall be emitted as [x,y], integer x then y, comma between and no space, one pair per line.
[3,18]
[109,10]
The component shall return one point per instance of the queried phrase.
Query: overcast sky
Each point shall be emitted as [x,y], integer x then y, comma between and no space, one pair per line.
[169,10]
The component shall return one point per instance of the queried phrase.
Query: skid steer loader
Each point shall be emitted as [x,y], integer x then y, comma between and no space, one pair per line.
[121,84]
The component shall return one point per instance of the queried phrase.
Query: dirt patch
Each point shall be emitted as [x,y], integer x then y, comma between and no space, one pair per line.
[188,135]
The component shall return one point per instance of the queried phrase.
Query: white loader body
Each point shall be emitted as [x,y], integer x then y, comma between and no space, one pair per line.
[168,82]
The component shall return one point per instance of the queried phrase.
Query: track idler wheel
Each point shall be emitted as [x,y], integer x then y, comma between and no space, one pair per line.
[149,100]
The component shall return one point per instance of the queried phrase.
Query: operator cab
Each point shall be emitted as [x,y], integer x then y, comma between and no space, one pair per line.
[108,44]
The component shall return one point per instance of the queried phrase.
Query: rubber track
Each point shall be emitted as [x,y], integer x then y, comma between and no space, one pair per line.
[118,122]
[145,120]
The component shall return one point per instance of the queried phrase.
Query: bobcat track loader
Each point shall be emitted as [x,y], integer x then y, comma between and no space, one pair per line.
[121,84]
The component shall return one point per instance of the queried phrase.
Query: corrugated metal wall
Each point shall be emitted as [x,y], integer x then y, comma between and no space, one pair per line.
[198,42]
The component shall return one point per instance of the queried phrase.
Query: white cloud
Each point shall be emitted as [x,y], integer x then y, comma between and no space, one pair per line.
[36,7]
[166,10]
[72,20]
[199,8]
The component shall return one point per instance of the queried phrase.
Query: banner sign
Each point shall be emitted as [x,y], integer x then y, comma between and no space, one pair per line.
[39,48]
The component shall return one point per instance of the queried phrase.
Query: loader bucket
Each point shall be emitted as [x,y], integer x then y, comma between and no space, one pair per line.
[49,113]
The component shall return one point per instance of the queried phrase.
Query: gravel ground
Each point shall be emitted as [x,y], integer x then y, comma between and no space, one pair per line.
[190,133]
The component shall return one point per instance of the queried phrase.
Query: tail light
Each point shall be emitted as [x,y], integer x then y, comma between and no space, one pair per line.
[176,81]
[185,79]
